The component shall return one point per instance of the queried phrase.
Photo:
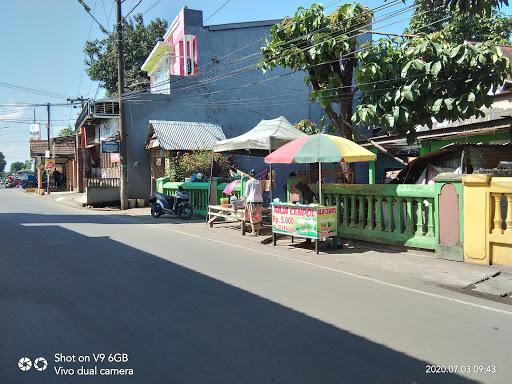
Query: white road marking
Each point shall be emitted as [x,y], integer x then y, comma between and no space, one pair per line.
[355,275]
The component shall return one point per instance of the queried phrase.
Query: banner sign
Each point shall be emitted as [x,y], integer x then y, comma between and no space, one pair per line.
[35,131]
[110,147]
[49,165]
[317,222]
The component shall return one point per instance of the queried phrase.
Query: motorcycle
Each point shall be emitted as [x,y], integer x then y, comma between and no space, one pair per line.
[177,204]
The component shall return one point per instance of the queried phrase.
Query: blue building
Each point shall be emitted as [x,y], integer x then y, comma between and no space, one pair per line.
[210,74]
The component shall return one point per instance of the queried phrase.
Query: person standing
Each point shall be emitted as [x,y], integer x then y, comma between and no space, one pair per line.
[253,202]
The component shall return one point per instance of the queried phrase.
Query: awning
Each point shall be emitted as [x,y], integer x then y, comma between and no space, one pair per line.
[156,56]
[183,135]
[265,137]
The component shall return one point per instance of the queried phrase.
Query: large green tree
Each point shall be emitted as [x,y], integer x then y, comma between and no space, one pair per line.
[405,83]
[20,165]
[2,162]
[66,131]
[433,17]
[323,46]
[475,6]
[138,38]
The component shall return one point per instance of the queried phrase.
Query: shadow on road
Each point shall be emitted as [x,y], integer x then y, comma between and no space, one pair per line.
[96,295]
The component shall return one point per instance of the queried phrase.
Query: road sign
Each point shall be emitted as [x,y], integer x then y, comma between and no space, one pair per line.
[49,165]
[110,146]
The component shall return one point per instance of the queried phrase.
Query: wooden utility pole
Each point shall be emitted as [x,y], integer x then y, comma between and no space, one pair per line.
[48,147]
[120,88]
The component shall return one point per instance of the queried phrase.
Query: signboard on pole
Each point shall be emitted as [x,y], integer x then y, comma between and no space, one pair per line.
[315,222]
[35,131]
[49,165]
[110,147]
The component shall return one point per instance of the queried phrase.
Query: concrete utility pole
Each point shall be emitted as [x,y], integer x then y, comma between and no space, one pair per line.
[48,147]
[120,88]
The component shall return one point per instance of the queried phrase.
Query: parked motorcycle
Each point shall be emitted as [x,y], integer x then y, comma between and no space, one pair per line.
[177,204]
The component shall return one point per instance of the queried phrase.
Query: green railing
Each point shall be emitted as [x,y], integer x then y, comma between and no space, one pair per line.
[392,214]
[198,192]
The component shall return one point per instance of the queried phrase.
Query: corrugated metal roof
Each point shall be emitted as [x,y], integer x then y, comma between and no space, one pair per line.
[185,135]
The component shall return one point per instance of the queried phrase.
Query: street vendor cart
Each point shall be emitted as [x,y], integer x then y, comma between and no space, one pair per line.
[314,221]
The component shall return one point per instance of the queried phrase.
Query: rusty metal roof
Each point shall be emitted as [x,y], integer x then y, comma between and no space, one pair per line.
[60,146]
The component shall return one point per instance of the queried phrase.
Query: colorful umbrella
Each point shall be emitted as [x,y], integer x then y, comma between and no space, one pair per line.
[320,148]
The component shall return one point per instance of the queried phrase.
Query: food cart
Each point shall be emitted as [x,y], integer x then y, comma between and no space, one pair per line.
[312,221]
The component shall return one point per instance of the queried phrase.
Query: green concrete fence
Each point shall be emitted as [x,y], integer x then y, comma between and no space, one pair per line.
[384,213]
[198,193]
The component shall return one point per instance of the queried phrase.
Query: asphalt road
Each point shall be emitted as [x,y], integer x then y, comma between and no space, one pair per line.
[185,309]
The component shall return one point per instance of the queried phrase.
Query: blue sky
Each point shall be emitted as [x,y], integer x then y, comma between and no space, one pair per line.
[42,44]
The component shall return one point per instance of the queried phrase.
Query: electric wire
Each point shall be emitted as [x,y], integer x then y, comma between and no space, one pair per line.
[385,17]
[207,81]
[196,85]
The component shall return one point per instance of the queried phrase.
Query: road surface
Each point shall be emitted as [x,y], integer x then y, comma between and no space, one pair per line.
[138,300]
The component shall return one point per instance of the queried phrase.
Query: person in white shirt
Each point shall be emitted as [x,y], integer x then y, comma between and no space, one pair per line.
[253,202]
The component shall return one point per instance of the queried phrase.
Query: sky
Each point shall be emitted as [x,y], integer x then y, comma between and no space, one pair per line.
[42,48]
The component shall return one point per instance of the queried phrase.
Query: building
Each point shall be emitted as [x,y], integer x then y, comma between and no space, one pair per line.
[62,155]
[201,73]
[97,129]
[209,74]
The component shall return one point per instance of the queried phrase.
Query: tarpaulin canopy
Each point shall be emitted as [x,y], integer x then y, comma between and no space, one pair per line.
[265,137]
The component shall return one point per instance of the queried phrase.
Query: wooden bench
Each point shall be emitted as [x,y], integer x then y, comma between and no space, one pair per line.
[230,215]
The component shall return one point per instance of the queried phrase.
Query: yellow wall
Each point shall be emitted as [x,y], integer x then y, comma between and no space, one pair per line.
[484,241]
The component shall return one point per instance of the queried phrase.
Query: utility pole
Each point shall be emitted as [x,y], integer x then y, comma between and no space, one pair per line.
[48,146]
[120,88]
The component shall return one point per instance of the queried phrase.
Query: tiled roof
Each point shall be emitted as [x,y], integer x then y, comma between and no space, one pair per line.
[61,147]
[185,135]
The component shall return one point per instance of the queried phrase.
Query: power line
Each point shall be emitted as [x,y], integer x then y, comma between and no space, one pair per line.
[151,7]
[135,6]
[32,90]
[286,74]
[217,10]
[248,68]
[88,10]
[376,9]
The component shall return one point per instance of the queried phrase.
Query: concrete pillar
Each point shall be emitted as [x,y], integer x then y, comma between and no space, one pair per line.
[371,172]
[476,213]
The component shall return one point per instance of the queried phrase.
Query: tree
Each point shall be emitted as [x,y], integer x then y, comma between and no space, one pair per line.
[408,82]
[475,6]
[432,17]
[310,127]
[138,40]
[324,47]
[66,131]
[2,162]
[20,165]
